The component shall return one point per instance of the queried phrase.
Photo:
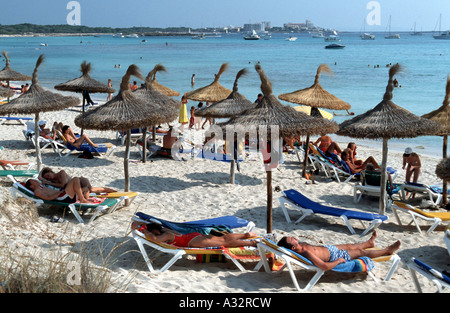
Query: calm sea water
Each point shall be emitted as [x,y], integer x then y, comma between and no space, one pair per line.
[289,65]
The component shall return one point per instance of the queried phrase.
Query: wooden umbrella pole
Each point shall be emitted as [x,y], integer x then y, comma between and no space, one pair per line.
[126,164]
[383,176]
[444,186]
[144,145]
[269,201]
[36,139]
[305,161]
[232,163]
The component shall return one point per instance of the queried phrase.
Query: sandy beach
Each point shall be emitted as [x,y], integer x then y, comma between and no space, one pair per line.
[199,189]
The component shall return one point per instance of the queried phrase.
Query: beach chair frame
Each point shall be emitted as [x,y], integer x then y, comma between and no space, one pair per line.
[422,189]
[413,268]
[447,240]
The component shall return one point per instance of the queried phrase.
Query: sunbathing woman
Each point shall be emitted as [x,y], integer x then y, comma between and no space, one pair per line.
[328,256]
[74,140]
[61,179]
[155,232]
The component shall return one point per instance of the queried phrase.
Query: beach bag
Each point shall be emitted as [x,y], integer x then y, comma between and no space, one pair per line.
[86,155]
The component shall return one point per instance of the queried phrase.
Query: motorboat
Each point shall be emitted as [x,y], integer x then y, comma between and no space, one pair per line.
[335,46]
[43,45]
[132,36]
[332,38]
[367,36]
[200,36]
[252,36]
[291,39]
[118,35]
[317,35]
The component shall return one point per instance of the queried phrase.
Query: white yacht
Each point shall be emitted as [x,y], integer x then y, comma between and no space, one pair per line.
[332,38]
[132,36]
[391,36]
[367,36]
[291,39]
[200,36]
[444,35]
[317,35]
[118,35]
[252,36]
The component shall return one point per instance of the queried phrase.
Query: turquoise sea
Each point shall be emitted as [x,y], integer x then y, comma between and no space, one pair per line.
[289,65]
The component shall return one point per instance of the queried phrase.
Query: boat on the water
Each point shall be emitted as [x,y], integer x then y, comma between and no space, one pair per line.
[440,35]
[332,38]
[335,46]
[252,36]
[291,39]
[391,36]
[118,35]
[367,36]
[200,36]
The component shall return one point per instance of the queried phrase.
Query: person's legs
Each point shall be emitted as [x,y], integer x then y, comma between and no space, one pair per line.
[356,253]
[229,240]
[73,188]
[334,147]
[83,138]
[362,245]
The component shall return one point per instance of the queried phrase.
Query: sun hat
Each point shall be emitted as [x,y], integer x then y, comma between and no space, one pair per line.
[408,150]
[41,123]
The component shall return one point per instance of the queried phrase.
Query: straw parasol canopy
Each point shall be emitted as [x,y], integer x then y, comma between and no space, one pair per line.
[166,106]
[315,96]
[233,105]
[387,120]
[161,88]
[123,112]
[443,170]
[269,115]
[8,75]
[6,92]
[214,92]
[37,100]
[442,117]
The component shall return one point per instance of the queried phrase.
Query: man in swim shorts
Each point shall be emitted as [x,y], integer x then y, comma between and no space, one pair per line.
[327,257]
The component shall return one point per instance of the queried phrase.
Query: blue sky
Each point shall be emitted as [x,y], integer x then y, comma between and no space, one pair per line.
[338,14]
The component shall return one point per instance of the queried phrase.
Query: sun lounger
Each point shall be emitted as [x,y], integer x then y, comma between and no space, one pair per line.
[371,187]
[447,238]
[102,149]
[291,258]
[135,135]
[21,120]
[441,280]
[435,217]
[12,164]
[308,207]
[18,173]
[433,192]
[43,142]
[202,226]
[105,205]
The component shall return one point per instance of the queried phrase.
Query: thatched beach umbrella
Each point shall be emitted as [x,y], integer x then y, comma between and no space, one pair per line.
[443,170]
[442,117]
[8,75]
[123,112]
[161,88]
[315,97]
[85,83]
[6,92]
[233,105]
[387,120]
[166,106]
[214,92]
[270,115]
[37,100]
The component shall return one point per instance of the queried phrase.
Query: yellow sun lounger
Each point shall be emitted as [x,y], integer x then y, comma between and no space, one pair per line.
[435,217]
[232,254]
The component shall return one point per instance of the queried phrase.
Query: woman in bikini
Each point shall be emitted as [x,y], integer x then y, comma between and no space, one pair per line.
[156,233]
[325,142]
[74,140]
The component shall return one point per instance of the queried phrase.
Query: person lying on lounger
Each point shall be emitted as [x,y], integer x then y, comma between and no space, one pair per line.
[155,232]
[74,140]
[77,188]
[61,179]
[328,256]
[358,168]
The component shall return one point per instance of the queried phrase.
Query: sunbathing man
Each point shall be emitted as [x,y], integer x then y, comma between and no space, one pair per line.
[74,140]
[328,256]
[61,179]
[156,233]
[325,142]
[76,189]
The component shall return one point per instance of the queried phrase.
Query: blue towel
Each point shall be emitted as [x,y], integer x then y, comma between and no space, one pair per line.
[87,147]
[218,224]
[306,203]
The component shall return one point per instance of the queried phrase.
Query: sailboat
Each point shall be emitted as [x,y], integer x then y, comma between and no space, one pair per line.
[252,36]
[444,35]
[391,36]
[366,36]
[414,33]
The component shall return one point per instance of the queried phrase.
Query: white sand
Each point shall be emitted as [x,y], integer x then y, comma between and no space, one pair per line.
[199,189]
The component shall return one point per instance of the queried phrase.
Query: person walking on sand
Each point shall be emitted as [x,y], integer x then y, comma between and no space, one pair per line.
[413,165]
[110,86]
[329,256]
